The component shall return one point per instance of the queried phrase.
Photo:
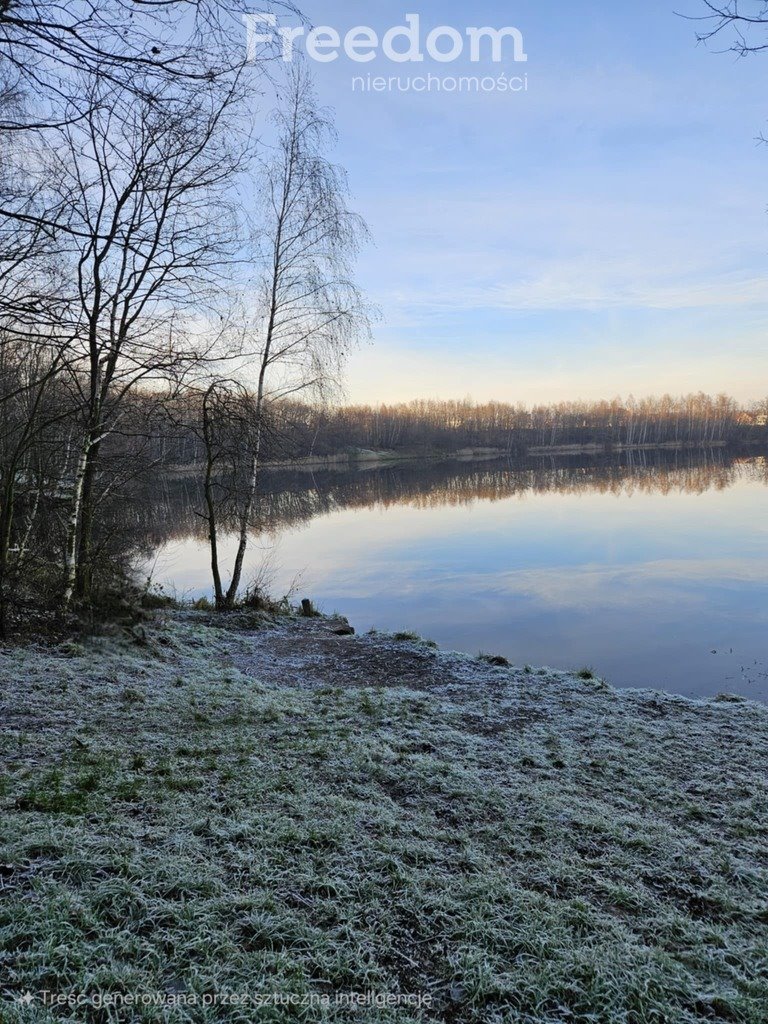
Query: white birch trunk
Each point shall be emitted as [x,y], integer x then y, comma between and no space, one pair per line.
[70,555]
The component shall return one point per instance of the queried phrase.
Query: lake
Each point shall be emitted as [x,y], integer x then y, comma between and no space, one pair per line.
[649,568]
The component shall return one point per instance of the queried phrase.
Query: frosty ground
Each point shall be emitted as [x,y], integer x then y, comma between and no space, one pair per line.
[255,808]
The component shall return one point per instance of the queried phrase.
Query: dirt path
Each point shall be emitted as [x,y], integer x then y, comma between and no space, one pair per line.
[311,653]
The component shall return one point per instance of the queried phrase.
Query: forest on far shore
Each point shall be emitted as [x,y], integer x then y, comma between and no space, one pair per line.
[298,430]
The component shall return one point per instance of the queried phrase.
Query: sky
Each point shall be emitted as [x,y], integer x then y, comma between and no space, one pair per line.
[603,232]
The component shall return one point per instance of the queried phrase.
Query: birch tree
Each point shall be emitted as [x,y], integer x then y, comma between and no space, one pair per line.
[311,311]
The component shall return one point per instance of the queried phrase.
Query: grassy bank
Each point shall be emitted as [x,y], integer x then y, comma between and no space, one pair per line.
[203,811]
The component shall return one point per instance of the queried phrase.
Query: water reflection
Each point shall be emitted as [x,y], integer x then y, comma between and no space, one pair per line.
[641,565]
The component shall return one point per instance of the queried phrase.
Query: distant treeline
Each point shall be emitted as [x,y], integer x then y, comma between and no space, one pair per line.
[302,431]
[694,419]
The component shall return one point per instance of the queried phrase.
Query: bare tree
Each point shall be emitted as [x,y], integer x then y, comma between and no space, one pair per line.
[311,311]
[748,20]
[151,224]
[145,52]
[122,139]
[33,407]
[138,47]
[35,331]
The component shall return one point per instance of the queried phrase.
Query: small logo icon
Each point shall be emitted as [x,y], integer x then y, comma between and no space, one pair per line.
[27,999]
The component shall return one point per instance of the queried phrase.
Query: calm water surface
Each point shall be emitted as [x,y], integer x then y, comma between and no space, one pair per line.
[653,571]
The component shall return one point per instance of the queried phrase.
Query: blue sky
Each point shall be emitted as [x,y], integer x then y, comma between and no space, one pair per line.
[603,233]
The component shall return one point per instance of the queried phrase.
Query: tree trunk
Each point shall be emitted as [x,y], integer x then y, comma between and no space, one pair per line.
[73,526]
[84,567]
[210,503]
[245,522]
[6,526]
[213,533]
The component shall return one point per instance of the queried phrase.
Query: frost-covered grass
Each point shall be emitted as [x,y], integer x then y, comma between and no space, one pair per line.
[536,848]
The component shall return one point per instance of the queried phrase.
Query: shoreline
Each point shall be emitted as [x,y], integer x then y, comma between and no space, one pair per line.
[368,459]
[255,804]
